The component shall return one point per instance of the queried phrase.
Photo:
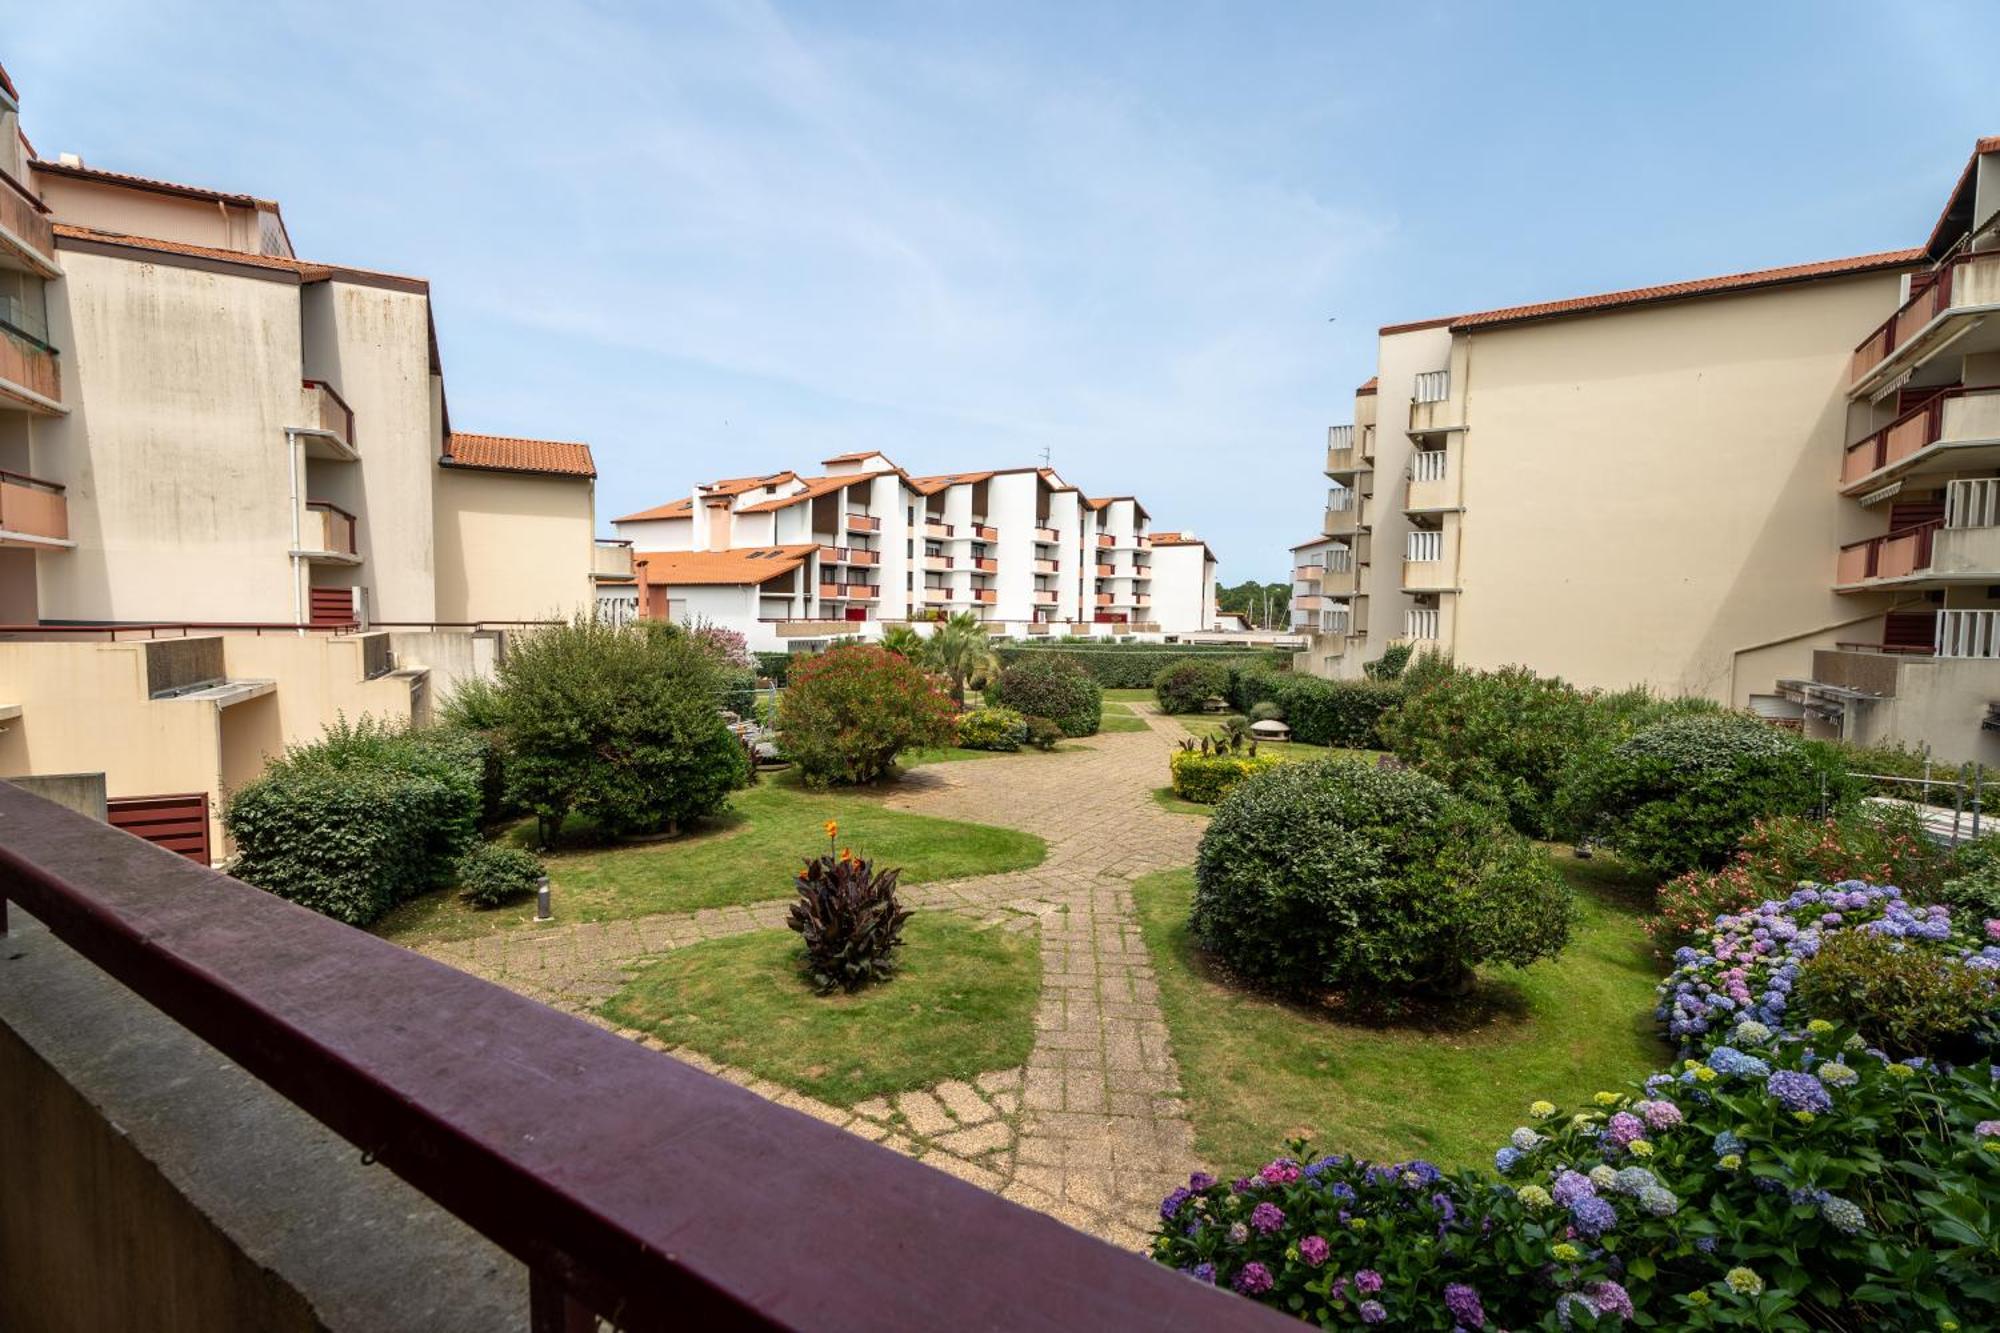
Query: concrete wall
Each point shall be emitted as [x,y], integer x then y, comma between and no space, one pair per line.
[511,546]
[1183,588]
[131,212]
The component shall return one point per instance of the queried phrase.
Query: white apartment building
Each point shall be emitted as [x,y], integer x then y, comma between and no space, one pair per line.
[233,505]
[796,561]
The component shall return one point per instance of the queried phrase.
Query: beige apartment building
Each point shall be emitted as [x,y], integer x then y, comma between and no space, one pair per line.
[232,503]
[795,561]
[1775,488]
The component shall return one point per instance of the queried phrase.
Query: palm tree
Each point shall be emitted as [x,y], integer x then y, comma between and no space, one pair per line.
[960,650]
[903,641]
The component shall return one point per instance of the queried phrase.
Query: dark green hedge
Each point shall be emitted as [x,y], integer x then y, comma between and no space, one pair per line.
[1135,666]
[776,666]
[1319,712]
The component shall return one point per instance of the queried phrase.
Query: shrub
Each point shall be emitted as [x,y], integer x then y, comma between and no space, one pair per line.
[1136,666]
[1334,874]
[359,821]
[491,875]
[1885,845]
[1681,793]
[960,649]
[774,667]
[849,711]
[1319,712]
[1503,738]
[1389,666]
[1043,734]
[620,725]
[1971,879]
[1185,686]
[472,705]
[1207,778]
[992,729]
[1264,710]
[1907,999]
[1812,1185]
[847,914]
[1054,687]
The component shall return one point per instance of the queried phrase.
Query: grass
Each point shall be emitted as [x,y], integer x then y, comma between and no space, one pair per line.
[1258,1071]
[1118,716]
[746,855]
[1128,696]
[962,1004]
[1164,797]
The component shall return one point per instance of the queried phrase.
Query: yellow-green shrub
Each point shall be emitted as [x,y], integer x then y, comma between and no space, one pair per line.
[1207,778]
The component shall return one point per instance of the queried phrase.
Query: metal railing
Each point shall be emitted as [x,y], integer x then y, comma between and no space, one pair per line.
[1422,546]
[1967,634]
[1972,504]
[1432,386]
[615,1174]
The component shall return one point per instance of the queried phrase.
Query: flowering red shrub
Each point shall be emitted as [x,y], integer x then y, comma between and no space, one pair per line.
[849,711]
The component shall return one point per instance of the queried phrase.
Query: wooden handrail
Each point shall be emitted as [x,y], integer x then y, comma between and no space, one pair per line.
[36,483]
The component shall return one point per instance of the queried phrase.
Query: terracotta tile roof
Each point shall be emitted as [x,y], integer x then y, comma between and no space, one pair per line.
[1417,324]
[1180,539]
[1370,387]
[506,453]
[307,271]
[932,485]
[1936,246]
[855,457]
[1320,540]
[81,172]
[681,508]
[1674,291]
[8,84]
[812,486]
[738,485]
[738,565]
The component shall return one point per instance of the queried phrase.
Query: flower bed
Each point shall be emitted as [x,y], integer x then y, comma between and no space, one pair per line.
[1808,1182]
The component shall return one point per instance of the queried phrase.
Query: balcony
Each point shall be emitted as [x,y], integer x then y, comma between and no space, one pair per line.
[33,513]
[1343,512]
[1433,410]
[933,561]
[1339,560]
[1945,305]
[933,596]
[986,596]
[611,560]
[937,530]
[1142,599]
[1045,566]
[327,535]
[1961,548]
[1046,596]
[1103,599]
[27,233]
[1048,536]
[1105,571]
[1430,562]
[30,379]
[857,555]
[329,428]
[1421,625]
[982,532]
[809,627]
[1143,573]
[1955,429]
[985,562]
[1433,483]
[863,523]
[1106,541]
[1340,455]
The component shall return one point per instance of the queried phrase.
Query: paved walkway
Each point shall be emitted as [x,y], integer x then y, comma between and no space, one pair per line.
[1093,1129]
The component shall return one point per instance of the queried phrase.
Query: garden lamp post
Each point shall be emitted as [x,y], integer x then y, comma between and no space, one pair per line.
[542,912]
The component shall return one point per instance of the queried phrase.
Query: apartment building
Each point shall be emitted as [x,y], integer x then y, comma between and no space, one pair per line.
[233,505]
[1706,487]
[1183,582]
[795,561]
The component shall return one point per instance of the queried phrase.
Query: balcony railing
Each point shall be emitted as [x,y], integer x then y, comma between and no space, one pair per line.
[1048,536]
[1427,465]
[1105,539]
[1973,278]
[1952,414]
[1421,623]
[522,1122]
[26,228]
[33,512]
[934,561]
[986,595]
[1968,634]
[1106,571]
[1046,596]
[850,592]
[1045,566]
[863,523]
[1890,556]
[985,562]
[611,559]
[982,532]
[335,528]
[1104,599]
[1339,560]
[1432,386]
[1422,546]
[933,529]
[328,412]
[27,363]
[937,594]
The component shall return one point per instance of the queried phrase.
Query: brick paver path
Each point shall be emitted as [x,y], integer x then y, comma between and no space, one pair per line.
[1093,1130]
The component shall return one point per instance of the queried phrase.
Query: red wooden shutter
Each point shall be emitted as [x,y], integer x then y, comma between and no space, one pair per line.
[177,823]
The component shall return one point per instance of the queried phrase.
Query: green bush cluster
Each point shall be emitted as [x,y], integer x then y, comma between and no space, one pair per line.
[1907,999]
[1135,666]
[359,821]
[1320,712]
[1207,778]
[1043,734]
[849,711]
[493,875]
[1185,686]
[1050,685]
[1336,875]
[775,667]
[992,729]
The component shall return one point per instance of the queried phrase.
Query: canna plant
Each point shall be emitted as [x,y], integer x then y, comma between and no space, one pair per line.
[848,916]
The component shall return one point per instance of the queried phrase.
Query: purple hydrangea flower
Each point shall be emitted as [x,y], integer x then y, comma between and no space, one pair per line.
[1204,1273]
[1267,1217]
[1172,1204]
[1371,1312]
[1314,1249]
[1571,1186]
[1799,1092]
[1462,1303]
[1368,1282]
[1201,1180]
[1624,1128]
[1660,1115]
[1281,1172]
[1593,1216]
[1506,1159]
[1609,1298]
[1253,1280]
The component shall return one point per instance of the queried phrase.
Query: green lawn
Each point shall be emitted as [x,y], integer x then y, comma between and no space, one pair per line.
[1258,1071]
[963,1003]
[1120,717]
[1164,797]
[1128,696]
[746,855]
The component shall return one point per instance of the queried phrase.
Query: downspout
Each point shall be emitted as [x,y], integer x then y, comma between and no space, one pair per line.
[298,534]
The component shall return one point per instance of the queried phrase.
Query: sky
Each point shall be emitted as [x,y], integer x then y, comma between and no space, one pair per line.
[1152,242]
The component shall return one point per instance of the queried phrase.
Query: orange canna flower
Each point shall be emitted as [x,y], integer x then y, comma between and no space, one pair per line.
[832,829]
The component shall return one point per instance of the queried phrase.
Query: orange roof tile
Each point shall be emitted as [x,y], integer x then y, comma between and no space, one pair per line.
[507,453]
[81,172]
[855,457]
[1320,540]
[1417,324]
[307,271]
[681,508]
[812,486]
[743,565]
[1370,387]
[738,485]
[1673,291]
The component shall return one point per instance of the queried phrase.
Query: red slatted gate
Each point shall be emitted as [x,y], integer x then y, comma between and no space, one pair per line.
[332,606]
[177,823]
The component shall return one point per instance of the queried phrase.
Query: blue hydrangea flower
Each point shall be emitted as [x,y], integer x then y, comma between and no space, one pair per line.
[1506,1160]
[1841,1214]
[1593,1216]
[1796,1091]
[1659,1201]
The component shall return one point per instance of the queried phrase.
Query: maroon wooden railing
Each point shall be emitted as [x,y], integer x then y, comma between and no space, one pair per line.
[1908,550]
[28,218]
[1918,428]
[1930,296]
[632,1186]
[340,419]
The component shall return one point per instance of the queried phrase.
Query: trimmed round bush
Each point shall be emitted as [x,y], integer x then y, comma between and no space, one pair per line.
[1054,687]
[491,875]
[849,711]
[992,729]
[1265,710]
[1340,876]
[1680,794]
[1042,733]
[1185,686]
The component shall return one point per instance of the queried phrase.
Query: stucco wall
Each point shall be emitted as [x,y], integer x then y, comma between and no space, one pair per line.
[511,546]
[131,212]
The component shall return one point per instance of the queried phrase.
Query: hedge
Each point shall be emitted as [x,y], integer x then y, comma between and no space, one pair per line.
[1319,712]
[1135,666]
[1207,778]
[776,666]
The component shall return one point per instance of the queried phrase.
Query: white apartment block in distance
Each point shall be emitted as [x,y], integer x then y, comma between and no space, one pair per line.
[233,506]
[797,561]
[1778,489]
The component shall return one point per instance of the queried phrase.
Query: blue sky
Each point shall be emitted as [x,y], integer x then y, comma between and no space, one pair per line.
[1155,240]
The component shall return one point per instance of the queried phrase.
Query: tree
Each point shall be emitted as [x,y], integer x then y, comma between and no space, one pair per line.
[1264,605]
[960,649]
[904,642]
[621,725]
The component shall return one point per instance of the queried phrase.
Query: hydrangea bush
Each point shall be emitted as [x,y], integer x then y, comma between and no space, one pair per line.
[1789,1177]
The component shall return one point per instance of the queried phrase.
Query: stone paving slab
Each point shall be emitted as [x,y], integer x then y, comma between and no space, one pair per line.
[1092,1131]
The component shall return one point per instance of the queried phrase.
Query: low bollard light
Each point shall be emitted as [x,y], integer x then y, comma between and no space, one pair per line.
[542,912]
